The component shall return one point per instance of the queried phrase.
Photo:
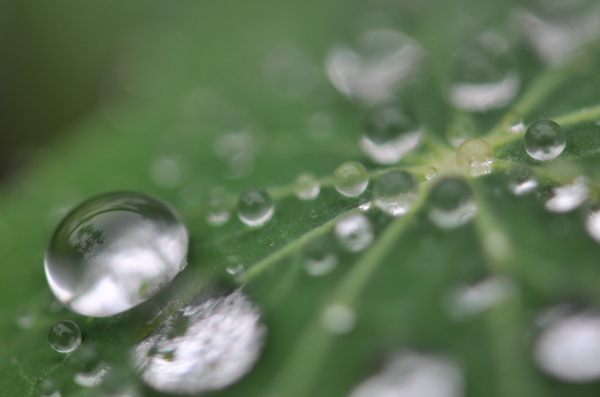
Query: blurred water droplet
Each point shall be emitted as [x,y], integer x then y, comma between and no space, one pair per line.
[238,273]
[475,157]
[350,179]
[239,165]
[517,128]
[319,260]
[312,213]
[389,133]
[290,73]
[255,207]
[48,387]
[568,197]
[381,61]
[592,225]
[64,336]
[166,172]
[220,344]
[26,318]
[430,172]
[569,349]
[544,140]
[412,374]
[482,75]
[320,126]
[469,300]
[192,192]
[354,232]
[451,203]
[460,129]
[93,378]
[521,181]
[395,192]
[338,319]
[115,251]
[307,186]
[237,150]
[366,206]
[218,210]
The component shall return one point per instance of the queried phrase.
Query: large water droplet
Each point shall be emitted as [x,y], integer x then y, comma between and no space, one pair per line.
[570,349]
[354,232]
[389,133]
[412,374]
[205,346]
[350,179]
[475,157]
[255,207]
[482,76]
[452,203]
[115,251]
[64,336]
[307,186]
[544,140]
[338,319]
[48,387]
[568,197]
[395,192]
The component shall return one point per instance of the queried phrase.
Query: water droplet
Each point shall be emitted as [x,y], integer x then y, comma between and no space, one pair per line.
[319,260]
[238,150]
[568,197]
[64,336]
[452,204]
[389,133]
[460,129]
[475,157]
[115,251]
[365,206]
[482,76]
[238,273]
[350,179]
[26,318]
[517,128]
[48,387]
[312,213]
[307,186]
[166,172]
[218,210]
[381,61]
[430,172]
[290,72]
[395,192]
[411,374]
[338,319]
[544,140]
[255,207]
[570,348]
[592,225]
[354,232]
[469,300]
[220,343]
[521,181]
[93,378]
[320,126]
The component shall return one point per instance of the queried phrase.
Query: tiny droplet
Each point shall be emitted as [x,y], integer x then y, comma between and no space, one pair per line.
[64,336]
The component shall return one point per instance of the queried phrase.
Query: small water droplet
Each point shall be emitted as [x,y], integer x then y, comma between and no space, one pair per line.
[338,319]
[521,181]
[430,172]
[115,251]
[469,300]
[166,172]
[395,192]
[218,211]
[255,207]
[64,336]
[475,157]
[544,140]
[389,133]
[237,150]
[460,129]
[365,206]
[307,186]
[48,387]
[569,349]
[354,232]
[26,318]
[568,197]
[350,179]
[312,213]
[517,128]
[319,260]
[239,165]
[452,204]
[238,273]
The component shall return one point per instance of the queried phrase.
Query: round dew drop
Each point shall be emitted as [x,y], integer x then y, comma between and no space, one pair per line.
[64,336]
[451,203]
[350,179]
[430,172]
[544,140]
[48,387]
[395,192]
[355,232]
[115,251]
[255,207]
[307,186]
[475,157]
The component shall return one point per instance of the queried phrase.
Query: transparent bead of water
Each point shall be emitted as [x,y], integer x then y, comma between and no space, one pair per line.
[460,129]
[64,336]
[389,133]
[319,258]
[307,186]
[544,140]
[115,251]
[475,157]
[350,179]
[338,319]
[430,172]
[218,210]
[521,181]
[255,207]
[355,232]
[48,387]
[395,192]
[482,75]
[451,203]
[592,225]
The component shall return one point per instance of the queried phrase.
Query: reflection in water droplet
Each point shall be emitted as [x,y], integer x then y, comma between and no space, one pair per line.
[307,186]
[452,203]
[544,140]
[380,63]
[238,273]
[568,197]
[92,378]
[395,192]
[221,342]
[48,387]
[350,179]
[366,206]
[354,232]
[570,349]
[166,172]
[319,259]
[64,336]
[218,210]
[338,319]
[521,181]
[115,251]
[517,128]
[255,207]
[475,157]
[389,133]
[482,76]
[430,172]
[414,375]
[592,225]
[468,300]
